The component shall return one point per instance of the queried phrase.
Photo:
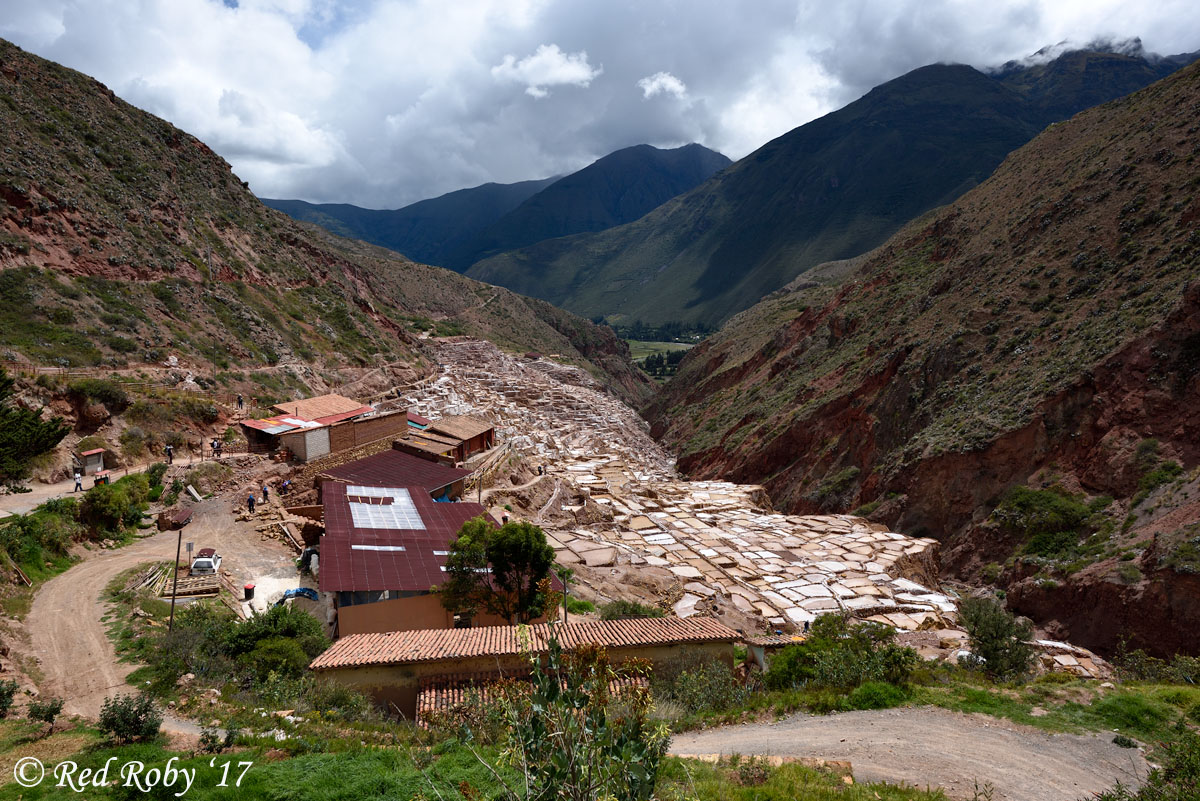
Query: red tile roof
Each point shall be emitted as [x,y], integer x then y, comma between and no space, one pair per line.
[355,558]
[432,645]
[393,468]
[445,697]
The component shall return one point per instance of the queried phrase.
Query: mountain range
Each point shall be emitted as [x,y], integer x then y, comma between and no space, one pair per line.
[123,238]
[831,189]
[1015,374]
[460,228]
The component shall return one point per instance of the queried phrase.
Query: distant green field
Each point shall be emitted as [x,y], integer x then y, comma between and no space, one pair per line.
[640,350]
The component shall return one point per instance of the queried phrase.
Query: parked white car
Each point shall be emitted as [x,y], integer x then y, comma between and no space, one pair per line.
[207,562]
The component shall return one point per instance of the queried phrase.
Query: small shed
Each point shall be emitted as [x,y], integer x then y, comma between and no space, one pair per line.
[93,461]
[473,434]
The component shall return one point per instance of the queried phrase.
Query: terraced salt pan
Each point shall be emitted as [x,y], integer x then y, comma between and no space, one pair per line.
[717,537]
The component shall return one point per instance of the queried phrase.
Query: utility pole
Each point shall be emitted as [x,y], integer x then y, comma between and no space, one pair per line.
[175,581]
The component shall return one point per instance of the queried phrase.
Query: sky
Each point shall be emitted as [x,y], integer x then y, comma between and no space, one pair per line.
[384,102]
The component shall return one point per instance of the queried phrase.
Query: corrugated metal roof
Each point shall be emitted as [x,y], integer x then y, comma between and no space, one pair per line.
[432,645]
[337,418]
[318,407]
[93,451]
[462,426]
[393,468]
[416,568]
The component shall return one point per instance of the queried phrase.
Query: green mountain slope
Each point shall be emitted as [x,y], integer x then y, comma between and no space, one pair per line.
[831,189]
[619,188]
[123,241]
[1044,328]
[427,231]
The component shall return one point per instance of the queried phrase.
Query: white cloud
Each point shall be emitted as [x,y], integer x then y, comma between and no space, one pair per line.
[548,66]
[384,102]
[662,83]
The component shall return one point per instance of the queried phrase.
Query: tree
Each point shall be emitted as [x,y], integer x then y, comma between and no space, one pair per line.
[24,435]
[498,570]
[996,637]
[46,710]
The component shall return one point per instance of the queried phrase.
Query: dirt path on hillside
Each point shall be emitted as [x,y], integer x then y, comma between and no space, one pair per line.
[938,748]
[76,657]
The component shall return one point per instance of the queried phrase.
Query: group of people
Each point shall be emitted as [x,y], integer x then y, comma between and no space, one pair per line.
[284,488]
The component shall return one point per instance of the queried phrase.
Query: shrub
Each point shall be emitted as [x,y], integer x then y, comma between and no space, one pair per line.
[45,710]
[280,655]
[8,690]
[155,473]
[1124,742]
[996,637]
[100,390]
[1129,574]
[210,740]
[699,685]
[876,695]
[628,610]
[111,507]
[127,718]
[578,606]
[1042,512]
[839,655]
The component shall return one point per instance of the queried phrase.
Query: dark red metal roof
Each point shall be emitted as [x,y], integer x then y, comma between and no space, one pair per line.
[413,417]
[393,468]
[375,559]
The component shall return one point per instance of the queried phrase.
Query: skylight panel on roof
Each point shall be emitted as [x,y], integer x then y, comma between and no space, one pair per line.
[400,514]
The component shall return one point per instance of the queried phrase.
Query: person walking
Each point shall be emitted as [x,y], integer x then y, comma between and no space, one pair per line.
[78,482]
[169,451]
[241,402]
[264,493]
[250,502]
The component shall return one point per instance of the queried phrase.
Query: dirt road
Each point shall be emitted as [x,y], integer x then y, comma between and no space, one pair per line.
[938,748]
[76,658]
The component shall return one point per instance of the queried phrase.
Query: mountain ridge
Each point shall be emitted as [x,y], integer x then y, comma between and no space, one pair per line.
[830,189]
[459,228]
[1041,332]
[124,240]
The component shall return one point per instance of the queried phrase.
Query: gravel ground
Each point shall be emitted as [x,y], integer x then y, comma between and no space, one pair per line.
[937,748]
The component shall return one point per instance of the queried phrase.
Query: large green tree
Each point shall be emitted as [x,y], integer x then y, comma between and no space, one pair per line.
[498,570]
[24,435]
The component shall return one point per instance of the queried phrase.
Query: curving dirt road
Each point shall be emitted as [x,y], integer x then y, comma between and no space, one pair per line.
[76,658]
[937,748]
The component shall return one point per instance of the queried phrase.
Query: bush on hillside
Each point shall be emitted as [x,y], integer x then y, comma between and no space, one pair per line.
[100,390]
[127,718]
[8,691]
[840,655]
[996,637]
[628,610]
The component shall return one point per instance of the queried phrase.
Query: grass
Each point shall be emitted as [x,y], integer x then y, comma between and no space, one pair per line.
[639,349]
[348,770]
[1141,710]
